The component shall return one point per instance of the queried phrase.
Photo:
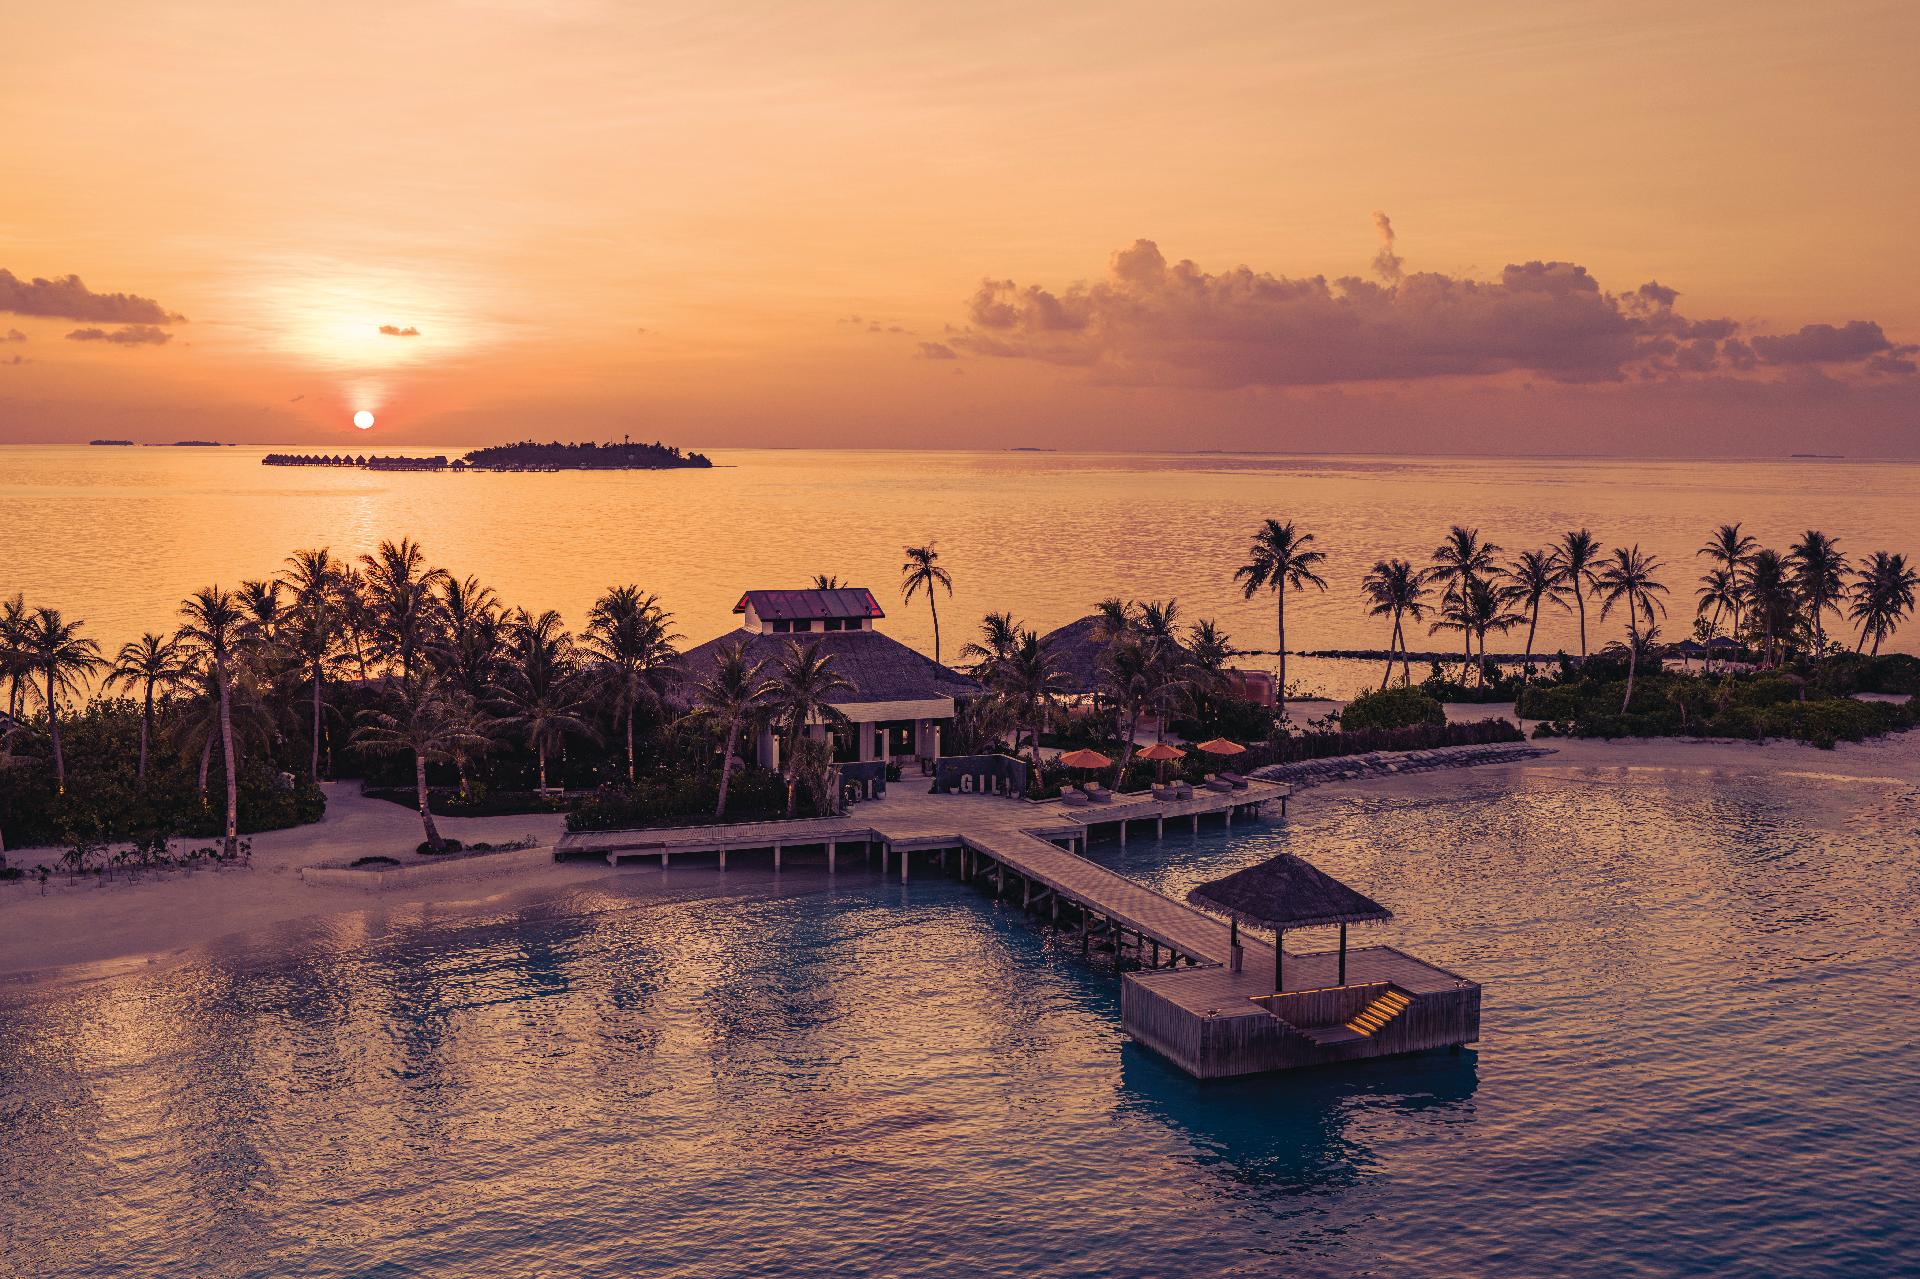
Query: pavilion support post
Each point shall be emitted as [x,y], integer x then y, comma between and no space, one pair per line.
[1279,961]
[1343,954]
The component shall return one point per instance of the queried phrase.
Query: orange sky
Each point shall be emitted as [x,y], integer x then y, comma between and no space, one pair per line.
[662,218]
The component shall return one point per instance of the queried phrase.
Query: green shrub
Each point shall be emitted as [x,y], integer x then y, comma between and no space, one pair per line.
[1392,708]
[682,798]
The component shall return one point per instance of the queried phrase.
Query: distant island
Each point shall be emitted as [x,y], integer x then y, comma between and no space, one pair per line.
[526,455]
[192,444]
[116,444]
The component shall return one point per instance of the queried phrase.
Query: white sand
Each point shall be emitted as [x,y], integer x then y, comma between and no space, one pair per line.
[94,926]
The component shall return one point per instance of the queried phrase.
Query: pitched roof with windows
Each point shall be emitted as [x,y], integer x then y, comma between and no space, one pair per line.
[811,605]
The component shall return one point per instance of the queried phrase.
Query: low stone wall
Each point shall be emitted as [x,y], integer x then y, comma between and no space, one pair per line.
[1346,768]
[377,879]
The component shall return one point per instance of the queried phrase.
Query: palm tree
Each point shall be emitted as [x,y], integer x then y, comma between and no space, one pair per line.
[1280,558]
[470,645]
[1720,594]
[826,582]
[213,628]
[733,694]
[312,630]
[1473,612]
[1396,589]
[65,660]
[630,635]
[922,572]
[426,718]
[542,692]
[1628,578]
[15,617]
[356,616]
[260,605]
[402,598]
[1029,682]
[1459,562]
[1534,579]
[1130,674]
[1729,548]
[1766,591]
[1204,670]
[803,680]
[148,663]
[1576,553]
[1883,596]
[999,637]
[1819,574]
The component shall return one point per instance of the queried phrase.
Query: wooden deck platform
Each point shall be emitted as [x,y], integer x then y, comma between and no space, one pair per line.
[1180,995]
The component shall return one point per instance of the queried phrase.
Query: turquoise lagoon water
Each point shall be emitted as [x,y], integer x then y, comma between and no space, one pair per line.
[1698,1059]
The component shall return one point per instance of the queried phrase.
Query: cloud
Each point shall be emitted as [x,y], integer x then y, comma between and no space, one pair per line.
[937,351]
[395,331]
[1821,343]
[132,335]
[13,335]
[1387,264]
[69,299]
[1151,322]
[18,359]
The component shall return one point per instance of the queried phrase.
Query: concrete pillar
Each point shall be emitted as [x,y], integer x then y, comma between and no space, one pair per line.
[1123,832]
[723,859]
[1159,827]
[831,849]
[865,732]
[903,865]
[776,857]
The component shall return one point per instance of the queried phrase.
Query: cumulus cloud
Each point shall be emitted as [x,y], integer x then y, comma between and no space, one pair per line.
[395,331]
[1154,322]
[937,351]
[132,335]
[13,335]
[18,359]
[68,298]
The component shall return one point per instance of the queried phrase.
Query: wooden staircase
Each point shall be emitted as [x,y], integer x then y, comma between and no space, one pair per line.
[1370,1020]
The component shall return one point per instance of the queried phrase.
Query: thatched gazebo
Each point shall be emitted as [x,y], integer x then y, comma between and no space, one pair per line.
[1288,892]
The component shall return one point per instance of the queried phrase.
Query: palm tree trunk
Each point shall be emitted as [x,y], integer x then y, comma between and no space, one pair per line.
[542,751]
[313,762]
[1580,599]
[232,843]
[53,728]
[726,760]
[1633,655]
[426,810]
[146,731]
[1526,667]
[206,758]
[1280,616]
[935,608]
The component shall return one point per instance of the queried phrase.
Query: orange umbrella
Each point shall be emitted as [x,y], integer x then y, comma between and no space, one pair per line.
[1160,753]
[1085,759]
[1221,746]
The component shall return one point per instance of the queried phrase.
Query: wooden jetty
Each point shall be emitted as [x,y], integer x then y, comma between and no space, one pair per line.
[1185,993]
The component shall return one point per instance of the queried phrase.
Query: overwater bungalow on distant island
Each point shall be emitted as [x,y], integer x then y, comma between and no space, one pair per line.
[900,701]
[524,456]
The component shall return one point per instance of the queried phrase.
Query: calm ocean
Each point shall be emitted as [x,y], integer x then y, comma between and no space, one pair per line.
[1698,1059]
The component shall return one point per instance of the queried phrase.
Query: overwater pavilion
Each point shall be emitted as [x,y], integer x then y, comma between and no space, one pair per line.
[1288,892]
[901,700]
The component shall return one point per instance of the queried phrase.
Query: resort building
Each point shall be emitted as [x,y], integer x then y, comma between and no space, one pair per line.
[900,701]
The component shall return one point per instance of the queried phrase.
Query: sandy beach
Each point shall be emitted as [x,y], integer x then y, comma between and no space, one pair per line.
[96,926]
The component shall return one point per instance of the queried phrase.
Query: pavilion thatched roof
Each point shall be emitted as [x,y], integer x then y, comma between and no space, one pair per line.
[1288,892]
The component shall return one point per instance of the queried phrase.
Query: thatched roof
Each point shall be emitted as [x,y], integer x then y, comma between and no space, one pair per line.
[1077,650]
[1288,892]
[880,668]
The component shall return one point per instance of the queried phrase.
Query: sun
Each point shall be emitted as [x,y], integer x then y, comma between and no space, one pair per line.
[363,420]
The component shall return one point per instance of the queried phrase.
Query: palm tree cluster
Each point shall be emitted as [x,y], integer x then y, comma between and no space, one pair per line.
[1779,601]
[441,670]
[1150,666]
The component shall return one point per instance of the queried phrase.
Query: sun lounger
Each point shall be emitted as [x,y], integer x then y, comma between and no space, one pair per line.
[1214,783]
[1074,799]
[1234,780]
[1097,793]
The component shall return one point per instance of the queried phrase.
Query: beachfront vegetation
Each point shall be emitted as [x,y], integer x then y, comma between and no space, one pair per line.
[1281,558]
[1392,708]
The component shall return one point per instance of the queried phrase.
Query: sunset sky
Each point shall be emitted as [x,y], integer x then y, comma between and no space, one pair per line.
[1624,228]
